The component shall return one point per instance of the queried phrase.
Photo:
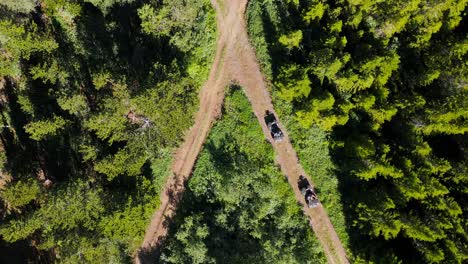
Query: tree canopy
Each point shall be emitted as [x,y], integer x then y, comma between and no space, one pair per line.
[92,104]
[384,82]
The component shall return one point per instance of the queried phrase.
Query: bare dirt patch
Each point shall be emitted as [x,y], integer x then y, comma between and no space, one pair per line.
[235,60]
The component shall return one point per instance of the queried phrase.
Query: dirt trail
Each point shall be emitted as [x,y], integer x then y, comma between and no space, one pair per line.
[235,60]
[211,98]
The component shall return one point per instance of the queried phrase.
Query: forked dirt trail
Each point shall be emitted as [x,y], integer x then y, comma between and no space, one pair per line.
[235,61]
[211,99]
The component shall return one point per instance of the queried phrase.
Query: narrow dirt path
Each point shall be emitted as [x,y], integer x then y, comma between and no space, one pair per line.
[235,61]
[211,99]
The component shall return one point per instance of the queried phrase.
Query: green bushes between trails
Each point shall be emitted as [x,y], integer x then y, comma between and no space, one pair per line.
[238,207]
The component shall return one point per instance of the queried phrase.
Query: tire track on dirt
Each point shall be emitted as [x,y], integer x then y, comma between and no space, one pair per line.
[235,60]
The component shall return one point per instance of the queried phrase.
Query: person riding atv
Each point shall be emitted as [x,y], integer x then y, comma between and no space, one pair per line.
[272,125]
[308,191]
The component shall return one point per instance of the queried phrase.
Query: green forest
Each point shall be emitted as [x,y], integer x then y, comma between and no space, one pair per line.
[376,98]
[96,96]
[94,99]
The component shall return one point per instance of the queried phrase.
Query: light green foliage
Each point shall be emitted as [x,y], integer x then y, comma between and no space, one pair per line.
[382,115]
[107,251]
[163,105]
[417,180]
[88,152]
[101,80]
[111,127]
[191,236]
[19,229]
[318,105]
[75,105]
[428,20]
[80,206]
[203,46]
[445,61]
[374,72]
[378,110]
[336,27]
[449,123]
[315,11]
[26,104]
[422,18]
[326,65]
[49,73]
[177,19]
[357,8]
[73,220]
[111,124]
[396,19]
[320,113]
[455,10]
[153,22]
[375,170]
[291,40]
[295,3]
[123,162]
[448,117]
[63,10]
[19,42]
[126,226]
[39,130]
[161,168]
[297,86]
[19,6]
[20,193]
[381,219]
